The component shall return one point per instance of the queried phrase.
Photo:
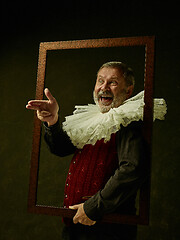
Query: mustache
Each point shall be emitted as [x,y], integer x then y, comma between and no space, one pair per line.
[102,93]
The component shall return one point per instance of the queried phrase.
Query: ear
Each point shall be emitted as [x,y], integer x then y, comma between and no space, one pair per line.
[129,91]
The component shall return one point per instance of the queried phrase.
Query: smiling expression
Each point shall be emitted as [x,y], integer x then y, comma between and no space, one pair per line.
[110,89]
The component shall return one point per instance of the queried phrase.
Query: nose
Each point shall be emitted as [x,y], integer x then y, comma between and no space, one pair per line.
[105,86]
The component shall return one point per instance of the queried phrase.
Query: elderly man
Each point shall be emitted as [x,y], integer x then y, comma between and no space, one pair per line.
[108,163]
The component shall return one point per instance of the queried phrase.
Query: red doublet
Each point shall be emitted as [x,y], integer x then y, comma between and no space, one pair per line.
[89,170]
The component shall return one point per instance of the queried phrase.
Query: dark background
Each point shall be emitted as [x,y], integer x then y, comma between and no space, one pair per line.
[23,26]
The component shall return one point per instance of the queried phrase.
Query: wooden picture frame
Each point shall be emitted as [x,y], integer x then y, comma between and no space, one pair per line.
[144,199]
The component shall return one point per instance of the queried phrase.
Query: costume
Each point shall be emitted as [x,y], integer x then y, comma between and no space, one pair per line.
[97,138]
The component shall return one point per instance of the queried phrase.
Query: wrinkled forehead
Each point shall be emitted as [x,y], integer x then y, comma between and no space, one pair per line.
[109,73]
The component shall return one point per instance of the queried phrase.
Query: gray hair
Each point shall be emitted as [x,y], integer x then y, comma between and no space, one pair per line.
[127,71]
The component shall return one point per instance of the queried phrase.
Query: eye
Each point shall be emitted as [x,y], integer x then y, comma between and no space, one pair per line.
[100,80]
[113,83]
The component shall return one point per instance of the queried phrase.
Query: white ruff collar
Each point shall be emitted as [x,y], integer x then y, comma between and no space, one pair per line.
[88,124]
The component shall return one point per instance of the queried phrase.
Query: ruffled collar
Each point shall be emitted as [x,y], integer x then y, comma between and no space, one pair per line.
[87,125]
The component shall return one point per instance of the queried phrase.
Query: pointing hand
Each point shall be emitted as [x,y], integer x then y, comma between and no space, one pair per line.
[47,110]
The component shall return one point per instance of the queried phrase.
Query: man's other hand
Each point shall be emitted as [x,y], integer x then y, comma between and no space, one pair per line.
[80,216]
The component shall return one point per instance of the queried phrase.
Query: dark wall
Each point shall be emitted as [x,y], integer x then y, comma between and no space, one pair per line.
[24,26]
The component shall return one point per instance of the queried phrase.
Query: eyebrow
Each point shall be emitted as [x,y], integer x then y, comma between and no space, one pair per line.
[112,78]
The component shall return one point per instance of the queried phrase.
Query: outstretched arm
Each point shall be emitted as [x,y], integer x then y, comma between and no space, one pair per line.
[47,111]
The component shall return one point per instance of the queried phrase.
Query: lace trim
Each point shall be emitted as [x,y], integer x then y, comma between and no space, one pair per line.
[88,124]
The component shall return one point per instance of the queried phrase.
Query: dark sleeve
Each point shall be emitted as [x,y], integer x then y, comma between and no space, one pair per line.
[127,178]
[58,141]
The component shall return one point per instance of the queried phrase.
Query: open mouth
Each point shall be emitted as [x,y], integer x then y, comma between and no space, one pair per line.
[105,100]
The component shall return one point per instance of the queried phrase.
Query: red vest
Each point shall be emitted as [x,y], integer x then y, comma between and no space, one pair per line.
[89,170]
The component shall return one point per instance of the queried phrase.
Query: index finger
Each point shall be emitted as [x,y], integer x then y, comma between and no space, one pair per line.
[37,103]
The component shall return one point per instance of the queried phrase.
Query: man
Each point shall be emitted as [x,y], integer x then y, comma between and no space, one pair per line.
[108,165]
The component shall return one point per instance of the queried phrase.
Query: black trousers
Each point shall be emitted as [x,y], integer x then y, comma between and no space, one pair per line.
[99,232]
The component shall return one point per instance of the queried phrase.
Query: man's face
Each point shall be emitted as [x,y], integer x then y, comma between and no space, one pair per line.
[110,89]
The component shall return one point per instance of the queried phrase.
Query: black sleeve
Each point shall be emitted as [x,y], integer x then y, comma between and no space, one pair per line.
[58,141]
[127,178]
